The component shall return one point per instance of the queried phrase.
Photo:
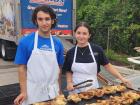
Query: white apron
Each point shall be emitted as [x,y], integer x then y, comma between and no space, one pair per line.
[42,74]
[84,71]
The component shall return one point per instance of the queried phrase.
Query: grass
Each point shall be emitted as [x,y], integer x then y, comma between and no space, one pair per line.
[122,58]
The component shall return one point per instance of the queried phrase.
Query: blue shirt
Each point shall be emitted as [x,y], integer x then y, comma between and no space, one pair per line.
[26,45]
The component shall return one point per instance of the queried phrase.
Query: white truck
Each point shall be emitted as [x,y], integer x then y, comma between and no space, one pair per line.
[15,21]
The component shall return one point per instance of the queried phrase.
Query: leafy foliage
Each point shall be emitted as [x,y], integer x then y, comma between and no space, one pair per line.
[118,19]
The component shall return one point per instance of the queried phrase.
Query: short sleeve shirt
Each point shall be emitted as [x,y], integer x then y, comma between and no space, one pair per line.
[98,53]
[26,45]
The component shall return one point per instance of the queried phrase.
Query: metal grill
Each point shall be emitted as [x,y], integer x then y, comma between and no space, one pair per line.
[104,97]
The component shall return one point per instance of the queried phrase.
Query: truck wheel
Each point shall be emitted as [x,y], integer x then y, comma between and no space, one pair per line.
[0,49]
[3,50]
[7,50]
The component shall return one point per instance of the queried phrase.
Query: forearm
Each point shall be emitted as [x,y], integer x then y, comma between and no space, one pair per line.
[59,79]
[69,81]
[109,67]
[114,72]
[69,77]
[23,78]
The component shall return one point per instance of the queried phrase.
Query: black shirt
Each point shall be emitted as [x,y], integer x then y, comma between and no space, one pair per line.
[84,56]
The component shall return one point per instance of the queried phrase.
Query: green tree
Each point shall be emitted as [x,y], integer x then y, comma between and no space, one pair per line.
[120,19]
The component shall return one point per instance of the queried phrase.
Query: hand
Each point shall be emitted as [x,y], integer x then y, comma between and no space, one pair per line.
[70,86]
[20,98]
[126,82]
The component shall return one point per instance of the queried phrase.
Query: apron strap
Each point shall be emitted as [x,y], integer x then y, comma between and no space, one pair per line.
[52,43]
[75,54]
[91,52]
[36,40]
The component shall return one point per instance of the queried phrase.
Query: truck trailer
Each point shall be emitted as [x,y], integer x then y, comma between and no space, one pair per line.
[15,21]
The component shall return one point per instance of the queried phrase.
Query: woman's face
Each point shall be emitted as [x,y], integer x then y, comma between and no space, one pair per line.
[82,35]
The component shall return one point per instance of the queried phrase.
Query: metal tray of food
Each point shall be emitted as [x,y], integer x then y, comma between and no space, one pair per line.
[106,97]
[95,99]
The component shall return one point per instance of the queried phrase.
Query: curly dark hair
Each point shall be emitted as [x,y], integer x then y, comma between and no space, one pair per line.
[46,9]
